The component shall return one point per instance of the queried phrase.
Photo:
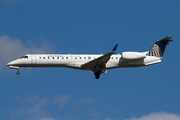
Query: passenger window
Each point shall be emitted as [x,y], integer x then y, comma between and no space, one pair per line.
[62,57]
[89,57]
[84,57]
[52,57]
[39,57]
[43,57]
[79,57]
[57,57]
[48,57]
[66,57]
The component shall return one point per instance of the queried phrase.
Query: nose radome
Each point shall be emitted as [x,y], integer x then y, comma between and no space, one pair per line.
[7,64]
[11,63]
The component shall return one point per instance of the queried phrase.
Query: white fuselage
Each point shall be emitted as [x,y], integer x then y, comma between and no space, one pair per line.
[76,60]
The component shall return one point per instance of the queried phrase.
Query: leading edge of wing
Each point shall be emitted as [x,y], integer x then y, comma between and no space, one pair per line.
[100,61]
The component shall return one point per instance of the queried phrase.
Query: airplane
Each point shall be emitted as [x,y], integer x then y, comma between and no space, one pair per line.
[97,63]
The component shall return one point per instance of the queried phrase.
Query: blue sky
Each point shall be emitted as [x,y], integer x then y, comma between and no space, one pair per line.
[89,26]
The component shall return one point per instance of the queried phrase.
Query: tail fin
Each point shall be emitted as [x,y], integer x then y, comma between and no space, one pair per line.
[157,50]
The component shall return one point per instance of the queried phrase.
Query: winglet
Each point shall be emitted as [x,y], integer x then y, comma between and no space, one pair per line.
[115,47]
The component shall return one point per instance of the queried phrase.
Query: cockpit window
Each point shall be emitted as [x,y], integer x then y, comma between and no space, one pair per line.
[25,57]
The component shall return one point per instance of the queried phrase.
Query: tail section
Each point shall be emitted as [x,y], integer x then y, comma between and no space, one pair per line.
[157,50]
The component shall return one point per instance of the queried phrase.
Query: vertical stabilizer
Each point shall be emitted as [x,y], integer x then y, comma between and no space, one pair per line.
[157,50]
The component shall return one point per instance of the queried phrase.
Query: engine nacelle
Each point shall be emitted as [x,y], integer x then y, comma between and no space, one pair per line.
[133,55]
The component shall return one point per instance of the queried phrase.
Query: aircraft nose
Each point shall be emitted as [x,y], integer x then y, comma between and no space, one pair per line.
[11,63]
[7,64]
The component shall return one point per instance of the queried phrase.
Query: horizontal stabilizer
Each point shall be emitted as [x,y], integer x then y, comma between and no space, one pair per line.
[166,39]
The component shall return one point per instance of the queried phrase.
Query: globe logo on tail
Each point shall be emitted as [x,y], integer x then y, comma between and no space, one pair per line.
[155,51]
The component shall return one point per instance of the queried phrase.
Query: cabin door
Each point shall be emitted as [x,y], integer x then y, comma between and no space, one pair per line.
[33,59]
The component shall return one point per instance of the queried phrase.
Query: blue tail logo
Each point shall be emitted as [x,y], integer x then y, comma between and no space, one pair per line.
[157,50]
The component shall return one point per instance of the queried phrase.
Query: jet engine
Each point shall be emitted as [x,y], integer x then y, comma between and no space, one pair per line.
[133,55]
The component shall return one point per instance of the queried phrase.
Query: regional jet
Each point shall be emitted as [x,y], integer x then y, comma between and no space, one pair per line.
[97,63]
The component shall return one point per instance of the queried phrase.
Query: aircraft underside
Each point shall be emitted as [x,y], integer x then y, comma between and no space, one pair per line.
[97,70]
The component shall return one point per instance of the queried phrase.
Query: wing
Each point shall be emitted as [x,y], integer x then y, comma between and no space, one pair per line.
[99,62]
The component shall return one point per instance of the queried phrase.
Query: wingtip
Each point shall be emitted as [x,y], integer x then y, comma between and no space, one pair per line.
[115,47]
